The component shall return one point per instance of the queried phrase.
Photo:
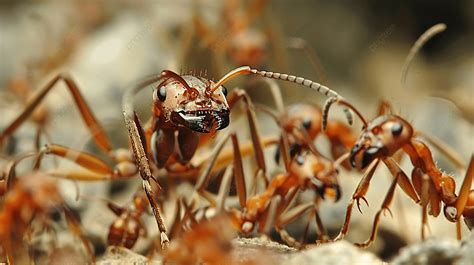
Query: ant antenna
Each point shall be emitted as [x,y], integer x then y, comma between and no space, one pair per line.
[420,42]
[341,101]
[285,77]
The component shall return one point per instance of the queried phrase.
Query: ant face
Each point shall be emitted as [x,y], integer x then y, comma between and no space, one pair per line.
[188,101]
[305,116]
[382,138]
[248,47]
[316,172]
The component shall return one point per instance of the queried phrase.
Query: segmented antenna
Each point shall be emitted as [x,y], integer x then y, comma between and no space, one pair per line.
[308,83]
[330,101]
[420,42]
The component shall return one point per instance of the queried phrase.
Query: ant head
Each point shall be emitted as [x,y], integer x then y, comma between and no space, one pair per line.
[192,102]
[140,202]
[248,47]
[305,116]
[316,172]
[382,137]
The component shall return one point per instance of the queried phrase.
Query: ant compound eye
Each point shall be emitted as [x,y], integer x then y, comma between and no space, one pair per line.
[224,91]
[300,160]
[450,212]
[307,123]
[161,93]
[397,129]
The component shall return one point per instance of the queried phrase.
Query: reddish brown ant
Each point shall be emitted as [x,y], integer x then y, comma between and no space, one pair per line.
[239,41]
[301,124]
[305,171]
[387,134]
[208,242]
[128,227]
[30,200]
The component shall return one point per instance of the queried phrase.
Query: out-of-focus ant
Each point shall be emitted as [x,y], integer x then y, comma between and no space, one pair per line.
[301,124]
[29,201]
[207,242]
[239,40]
[128,227]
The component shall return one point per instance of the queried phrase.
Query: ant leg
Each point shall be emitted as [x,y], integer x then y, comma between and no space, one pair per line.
[359,194]
[425,196]
[465,191]
[137,140]
[289,217]
[224,188]
[232,98]
[96,169]
[385,207]
[268,219]
[175,226]
[75,227]
[238,169]
[96,130]
[83,159]
[204,178]
[226,156]
[239,172]
[302,45]
[402,179]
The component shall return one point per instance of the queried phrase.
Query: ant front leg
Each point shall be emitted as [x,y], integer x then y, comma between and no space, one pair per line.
[96,168]
[358,195]
[96,130]
[385,207]
[137,139]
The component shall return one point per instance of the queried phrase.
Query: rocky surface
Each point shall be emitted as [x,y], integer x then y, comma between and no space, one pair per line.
[263,251]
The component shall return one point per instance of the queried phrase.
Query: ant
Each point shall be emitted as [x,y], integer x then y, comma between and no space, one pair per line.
[301,124]
[379,140]
[305,171]
[28,201]
[240,41]
[207,242]
[387,134]
[128,227]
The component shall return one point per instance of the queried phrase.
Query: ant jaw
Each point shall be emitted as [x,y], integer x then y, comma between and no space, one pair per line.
[202,121]
[362,156]
[333,190]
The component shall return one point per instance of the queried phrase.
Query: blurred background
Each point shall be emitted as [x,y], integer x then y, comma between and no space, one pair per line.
[356,48]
